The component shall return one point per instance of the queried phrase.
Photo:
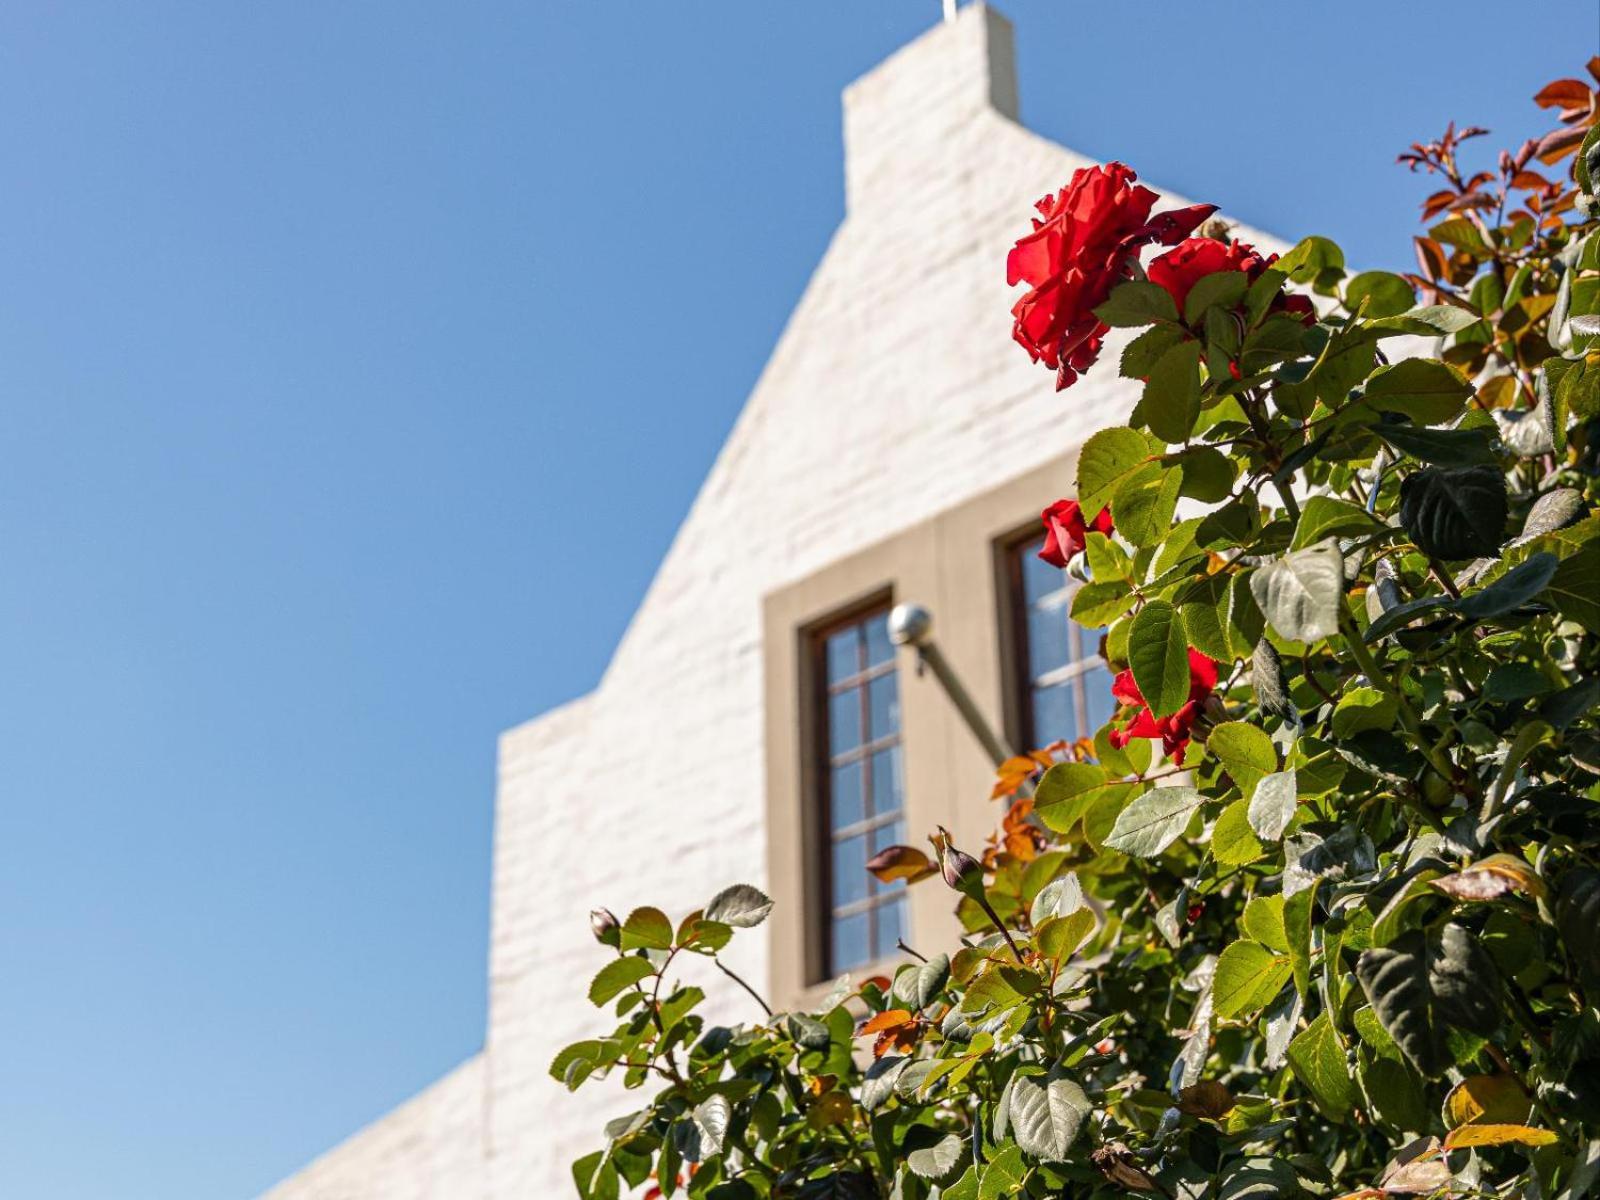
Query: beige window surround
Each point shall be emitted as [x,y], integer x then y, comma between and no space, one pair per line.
[952,562]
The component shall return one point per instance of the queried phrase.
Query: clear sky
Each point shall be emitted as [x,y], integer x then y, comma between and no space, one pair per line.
[357,363]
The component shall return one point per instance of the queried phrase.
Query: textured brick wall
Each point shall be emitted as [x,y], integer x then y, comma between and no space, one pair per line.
[895,392]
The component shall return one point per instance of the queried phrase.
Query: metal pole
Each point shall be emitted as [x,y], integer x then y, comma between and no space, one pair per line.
[912,625]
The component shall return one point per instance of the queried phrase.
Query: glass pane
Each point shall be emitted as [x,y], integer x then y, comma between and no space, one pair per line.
[1048,647]
[1052,714]
[883,704]
[879,648]
[891,928]
[845,799]
[849,871]
[848,943]
[1099,702]
[844,721]
[887,792]
[891,834]
[844,658]
[1039,578]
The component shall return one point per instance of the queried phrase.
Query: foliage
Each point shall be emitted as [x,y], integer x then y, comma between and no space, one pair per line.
[1319,910]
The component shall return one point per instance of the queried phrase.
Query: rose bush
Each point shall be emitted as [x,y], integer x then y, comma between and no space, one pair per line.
[1318,911]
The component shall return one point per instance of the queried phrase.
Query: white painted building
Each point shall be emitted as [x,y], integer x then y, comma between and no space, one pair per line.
[897,446]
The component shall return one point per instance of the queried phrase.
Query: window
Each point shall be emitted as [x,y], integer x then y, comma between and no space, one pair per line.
[863,793]
[1064,685]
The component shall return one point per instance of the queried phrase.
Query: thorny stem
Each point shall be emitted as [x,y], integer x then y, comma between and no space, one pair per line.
[1001,926]
[901,942]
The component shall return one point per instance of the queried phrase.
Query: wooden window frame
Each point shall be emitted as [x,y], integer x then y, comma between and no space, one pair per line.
[1020,683]
[817,786]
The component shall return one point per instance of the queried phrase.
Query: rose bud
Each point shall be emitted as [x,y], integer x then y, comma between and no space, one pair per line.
[961,871]
[607,929]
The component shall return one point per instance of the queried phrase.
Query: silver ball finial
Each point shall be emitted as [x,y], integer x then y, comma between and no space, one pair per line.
[909,624]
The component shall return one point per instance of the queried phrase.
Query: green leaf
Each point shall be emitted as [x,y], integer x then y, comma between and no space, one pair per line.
[1263,922]
[1428,392]
[1430,320]
[1272,804]
[1363,708]
[1154,820]
[741,906]
[1403,614]
[1575,588]
[1260,1179]
[1318,1061]
[1455,513]
[1310,259]
[1171,401]
[1060,897]
[1385,294]
[1223,289]
[1297,929]
[1159,655]
[1064,791]
[648,929]
[1394,1092]
[939,1160]
[710,1118]
[922,983]
[1002,1175]
[1461,233]
[1045,1120]
[1245,751]
[1416,987]
[594,1177]
[616,977]
[1208,473]
[1142,354]
[1106,461]
[1059,937]
[1137,302]
[1097,604]
[1513,589]
[1323,516]
[1145,502]
[1442,447]
[1248,977]
[1301,593]
[1268,683]
[1233,842]
[1577,916]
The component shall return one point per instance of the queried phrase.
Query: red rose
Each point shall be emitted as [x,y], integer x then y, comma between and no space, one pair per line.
[1065,533]
[1084,242]
[1172,730]
[1180,268]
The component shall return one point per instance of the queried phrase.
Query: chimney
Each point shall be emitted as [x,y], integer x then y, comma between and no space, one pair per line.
[909,115]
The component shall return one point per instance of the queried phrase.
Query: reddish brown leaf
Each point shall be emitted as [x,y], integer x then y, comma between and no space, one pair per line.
[901,862]
[1563,93]
[1553,147]
[1208,1099]
[886,1020]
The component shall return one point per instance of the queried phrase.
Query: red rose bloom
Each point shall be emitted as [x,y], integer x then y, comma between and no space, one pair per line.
[1180,268]
[1065,533]
[1084,243]
[1173,730]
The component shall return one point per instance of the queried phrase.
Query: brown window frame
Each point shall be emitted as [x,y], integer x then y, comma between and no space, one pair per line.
[820,761]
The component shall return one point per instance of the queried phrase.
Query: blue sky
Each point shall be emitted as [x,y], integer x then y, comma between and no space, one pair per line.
[357,362]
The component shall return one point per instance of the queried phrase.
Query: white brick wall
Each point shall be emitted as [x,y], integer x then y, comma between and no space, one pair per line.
[430,1148]
[902,340]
